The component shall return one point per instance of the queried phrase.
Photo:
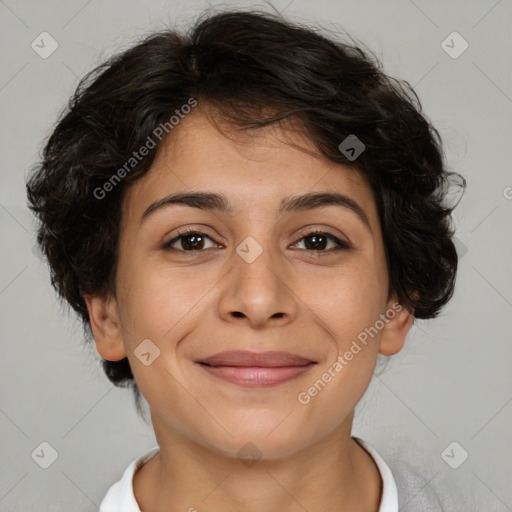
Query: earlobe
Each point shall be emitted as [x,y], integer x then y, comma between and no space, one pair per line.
[105,326]
[395,330]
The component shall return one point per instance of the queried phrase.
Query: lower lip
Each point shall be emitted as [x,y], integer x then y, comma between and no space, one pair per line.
[255,376]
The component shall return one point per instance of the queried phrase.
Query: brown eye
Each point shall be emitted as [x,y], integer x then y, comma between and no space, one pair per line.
[189,241]
[319,241]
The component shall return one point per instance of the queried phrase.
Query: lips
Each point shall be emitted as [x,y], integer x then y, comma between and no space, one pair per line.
[256,370]
[271,359]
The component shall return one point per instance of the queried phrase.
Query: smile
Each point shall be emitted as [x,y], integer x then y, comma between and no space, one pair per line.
[256,370]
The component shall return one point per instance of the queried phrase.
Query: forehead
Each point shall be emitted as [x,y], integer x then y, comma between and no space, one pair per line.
[250,167]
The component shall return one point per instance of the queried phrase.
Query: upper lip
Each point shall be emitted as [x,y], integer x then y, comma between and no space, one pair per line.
[250,359]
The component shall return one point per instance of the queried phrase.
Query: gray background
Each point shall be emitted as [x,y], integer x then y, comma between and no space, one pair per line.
[452,380]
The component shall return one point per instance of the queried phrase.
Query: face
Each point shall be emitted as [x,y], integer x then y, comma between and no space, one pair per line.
[273,271]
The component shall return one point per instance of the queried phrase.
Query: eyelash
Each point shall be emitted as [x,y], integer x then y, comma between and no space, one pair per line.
[342,245]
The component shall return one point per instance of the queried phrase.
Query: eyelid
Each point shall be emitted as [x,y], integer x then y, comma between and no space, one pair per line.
[326,232]
[184,232]
[340,242]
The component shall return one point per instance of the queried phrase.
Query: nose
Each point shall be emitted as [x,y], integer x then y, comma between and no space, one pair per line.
[258,293]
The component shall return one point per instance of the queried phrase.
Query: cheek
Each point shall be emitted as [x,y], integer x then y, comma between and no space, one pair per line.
[349,315]
[161,303]
[350,300]
[159,307]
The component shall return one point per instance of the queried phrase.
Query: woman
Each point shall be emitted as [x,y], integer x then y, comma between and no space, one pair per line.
[244,217]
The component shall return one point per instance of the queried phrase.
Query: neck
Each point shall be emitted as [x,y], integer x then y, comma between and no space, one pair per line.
[334,474]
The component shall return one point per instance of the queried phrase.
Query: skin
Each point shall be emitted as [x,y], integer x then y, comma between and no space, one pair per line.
[292,298]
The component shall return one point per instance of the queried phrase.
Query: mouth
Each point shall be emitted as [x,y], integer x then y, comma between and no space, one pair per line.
[256,370]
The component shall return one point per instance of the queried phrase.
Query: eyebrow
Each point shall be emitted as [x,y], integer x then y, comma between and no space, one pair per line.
[210,201]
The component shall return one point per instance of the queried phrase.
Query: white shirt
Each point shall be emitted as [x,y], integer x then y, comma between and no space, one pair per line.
[120,496]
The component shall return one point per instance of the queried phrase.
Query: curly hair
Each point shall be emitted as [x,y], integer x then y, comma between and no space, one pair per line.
[254,69]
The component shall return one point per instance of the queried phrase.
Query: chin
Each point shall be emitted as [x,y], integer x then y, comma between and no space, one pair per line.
[250,444]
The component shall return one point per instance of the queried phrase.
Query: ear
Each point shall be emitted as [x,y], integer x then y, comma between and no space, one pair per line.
[105,326]
[395,330]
